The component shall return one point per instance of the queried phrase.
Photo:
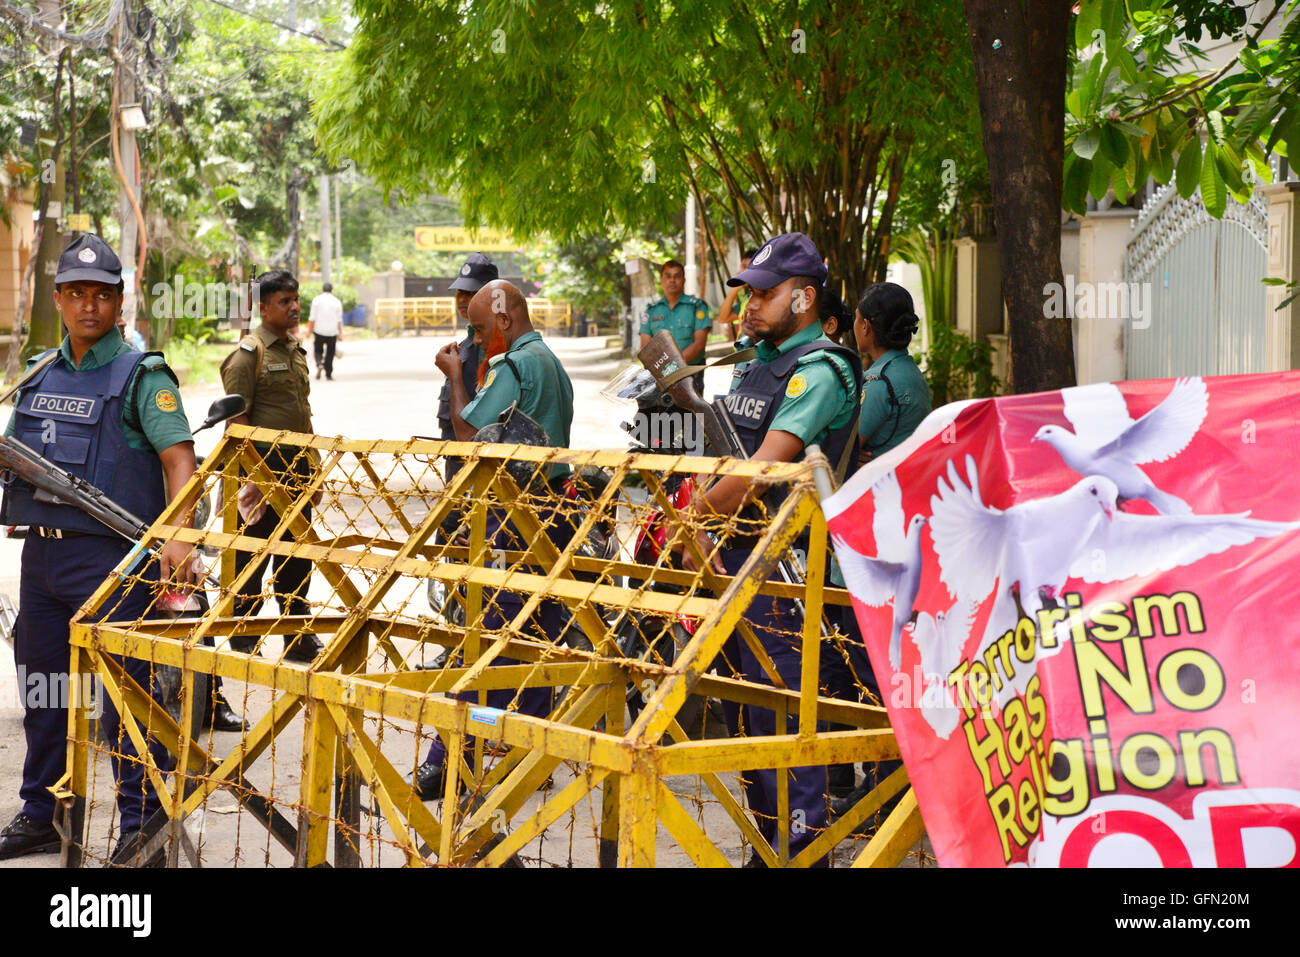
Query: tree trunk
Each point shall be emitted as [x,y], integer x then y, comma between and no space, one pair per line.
[1021,56]
[287,256]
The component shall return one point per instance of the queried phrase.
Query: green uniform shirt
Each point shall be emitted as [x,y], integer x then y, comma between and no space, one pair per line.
[276,396]
[816,400]
[155,418]
[682,320]
[883,424]
[543,391]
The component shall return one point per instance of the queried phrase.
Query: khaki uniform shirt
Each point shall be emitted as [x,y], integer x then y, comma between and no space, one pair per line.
[276,396]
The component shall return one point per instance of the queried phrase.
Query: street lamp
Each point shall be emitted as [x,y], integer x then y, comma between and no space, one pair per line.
[132,117]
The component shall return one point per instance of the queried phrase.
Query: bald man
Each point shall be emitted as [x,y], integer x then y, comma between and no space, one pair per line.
[529,374]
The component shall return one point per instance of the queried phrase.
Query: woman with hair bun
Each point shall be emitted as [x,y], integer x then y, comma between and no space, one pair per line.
[895,395]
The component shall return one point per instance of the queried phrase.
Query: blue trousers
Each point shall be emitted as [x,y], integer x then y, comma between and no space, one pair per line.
[839,681]
[58,575]
[777,624]
[545,624]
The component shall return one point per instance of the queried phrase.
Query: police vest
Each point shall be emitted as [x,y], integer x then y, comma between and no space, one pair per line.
[74,419]
[755,400]
[469,376]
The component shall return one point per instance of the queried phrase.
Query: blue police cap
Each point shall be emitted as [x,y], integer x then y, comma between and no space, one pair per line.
[476,273]
[790,254]
[89,259]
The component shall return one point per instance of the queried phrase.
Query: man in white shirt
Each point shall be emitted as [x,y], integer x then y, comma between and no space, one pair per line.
[327,328]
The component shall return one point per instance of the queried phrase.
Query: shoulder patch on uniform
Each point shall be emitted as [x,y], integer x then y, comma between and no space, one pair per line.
[491,377]
[248,347]
[796,386]
[165,400]
[699,313]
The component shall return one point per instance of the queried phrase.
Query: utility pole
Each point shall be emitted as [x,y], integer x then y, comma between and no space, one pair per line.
[338,228]
[326,239]
[129,190]
[691,269]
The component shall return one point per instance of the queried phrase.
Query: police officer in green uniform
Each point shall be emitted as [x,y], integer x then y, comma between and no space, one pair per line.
[530,376]
[895,398]
[895,395]
[801,390]
[685,317]
[474,272]
[112,416]
[269,369]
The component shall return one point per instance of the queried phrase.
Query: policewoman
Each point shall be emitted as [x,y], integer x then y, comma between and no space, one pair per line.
[474,272]
[685,317]
[895,398]
[269,369]
[528,375]
[801,390]
[895,395]
[112,416]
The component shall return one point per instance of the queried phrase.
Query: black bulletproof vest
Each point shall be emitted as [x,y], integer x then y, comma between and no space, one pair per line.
[757,396]
[469,376]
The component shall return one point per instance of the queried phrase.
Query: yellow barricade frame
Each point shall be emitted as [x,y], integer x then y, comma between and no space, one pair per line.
[336,694]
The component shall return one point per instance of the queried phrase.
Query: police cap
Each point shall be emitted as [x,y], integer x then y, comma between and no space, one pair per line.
[89,259]
[476,273]
[790,254]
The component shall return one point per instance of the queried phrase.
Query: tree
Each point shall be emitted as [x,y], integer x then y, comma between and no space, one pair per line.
[1020,51]
[1143,97]
[1140,97]
[587,118]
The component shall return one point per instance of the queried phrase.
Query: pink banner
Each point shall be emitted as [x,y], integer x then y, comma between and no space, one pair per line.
[1082,608]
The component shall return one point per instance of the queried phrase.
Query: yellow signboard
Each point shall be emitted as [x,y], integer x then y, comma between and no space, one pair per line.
[459,239]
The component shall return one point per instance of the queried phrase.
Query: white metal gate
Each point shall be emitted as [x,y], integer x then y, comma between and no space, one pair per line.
[1207,304]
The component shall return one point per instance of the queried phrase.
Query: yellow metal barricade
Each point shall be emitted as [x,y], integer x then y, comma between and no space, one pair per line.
[445,598]
[437,315]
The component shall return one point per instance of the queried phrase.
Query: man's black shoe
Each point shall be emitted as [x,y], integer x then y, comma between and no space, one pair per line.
[127,852]
[244,644]
[24,836]
[223,717]
[839,778]
[303,649]
[428,782]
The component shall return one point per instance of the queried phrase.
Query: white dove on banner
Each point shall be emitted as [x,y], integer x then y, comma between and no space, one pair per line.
[939,639]
[1029,551]
[895,572]
[1106,441]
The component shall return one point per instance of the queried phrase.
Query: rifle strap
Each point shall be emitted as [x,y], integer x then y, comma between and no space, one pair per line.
[29,374]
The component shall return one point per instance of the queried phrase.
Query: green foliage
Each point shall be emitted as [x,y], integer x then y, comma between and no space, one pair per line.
[957,368]
[597,117]
[1142,98]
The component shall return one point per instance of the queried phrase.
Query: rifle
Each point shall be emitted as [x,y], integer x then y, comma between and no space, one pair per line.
[673,376]
[59,487]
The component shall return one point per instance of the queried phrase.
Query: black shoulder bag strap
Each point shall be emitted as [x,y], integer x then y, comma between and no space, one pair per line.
[894,404]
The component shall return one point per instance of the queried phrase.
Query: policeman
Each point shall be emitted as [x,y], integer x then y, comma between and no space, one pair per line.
[895,395]
[113,416]
[527,374]
[475,271]
[685,317]
[269,369]
[801,390]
